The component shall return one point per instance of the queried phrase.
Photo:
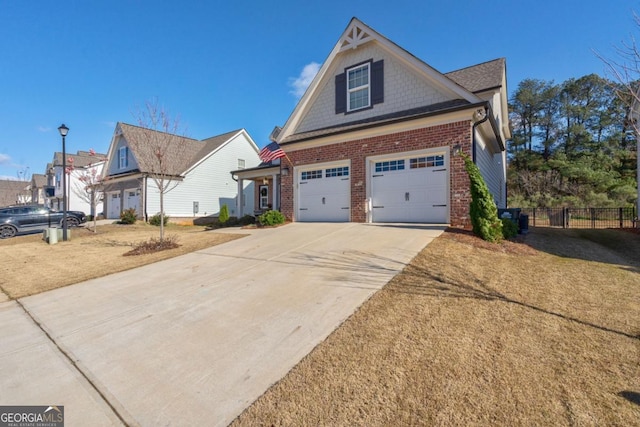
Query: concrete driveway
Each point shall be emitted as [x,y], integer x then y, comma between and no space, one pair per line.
[196,339]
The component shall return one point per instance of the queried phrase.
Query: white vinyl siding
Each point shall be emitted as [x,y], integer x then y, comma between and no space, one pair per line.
[209,183]
[492,170]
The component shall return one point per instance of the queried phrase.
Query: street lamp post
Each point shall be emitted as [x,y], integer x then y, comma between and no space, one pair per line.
[63,132]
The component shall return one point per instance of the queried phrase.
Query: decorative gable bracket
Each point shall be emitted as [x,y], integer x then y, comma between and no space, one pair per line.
[354,37]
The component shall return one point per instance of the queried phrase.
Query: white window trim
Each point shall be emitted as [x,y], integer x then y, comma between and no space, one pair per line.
[358,88]
[123,161]
[260,204]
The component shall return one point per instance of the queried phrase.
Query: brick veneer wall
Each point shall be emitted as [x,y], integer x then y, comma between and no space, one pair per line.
[358,150]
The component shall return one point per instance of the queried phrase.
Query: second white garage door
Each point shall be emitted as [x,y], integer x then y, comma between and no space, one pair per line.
[410,189]
[324,193]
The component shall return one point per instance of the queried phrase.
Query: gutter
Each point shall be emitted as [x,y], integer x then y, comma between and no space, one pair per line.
[374,124]
[473,131]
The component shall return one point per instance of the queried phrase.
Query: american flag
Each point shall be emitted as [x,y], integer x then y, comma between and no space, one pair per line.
[271,152]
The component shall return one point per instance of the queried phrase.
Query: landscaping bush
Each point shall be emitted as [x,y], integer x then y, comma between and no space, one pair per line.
[224,214]
[247,220]
[155,220]
[271,218]
[154,245]
[128,216]
[483,211]
[509,228]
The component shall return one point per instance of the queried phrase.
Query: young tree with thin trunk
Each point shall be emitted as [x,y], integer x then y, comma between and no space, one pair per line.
[161,150]
[88,186]
[625,70]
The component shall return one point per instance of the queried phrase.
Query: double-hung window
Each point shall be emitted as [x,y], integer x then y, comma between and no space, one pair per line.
[358,92]
[122,158]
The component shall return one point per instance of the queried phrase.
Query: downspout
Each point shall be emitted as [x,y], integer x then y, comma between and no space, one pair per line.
[473,132]
[144,195]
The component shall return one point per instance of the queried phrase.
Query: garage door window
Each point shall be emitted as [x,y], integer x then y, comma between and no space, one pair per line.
[426,162]
[343,171]
[391,165]
[311,175]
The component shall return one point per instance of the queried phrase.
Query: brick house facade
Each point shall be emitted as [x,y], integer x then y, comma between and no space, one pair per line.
[406,116]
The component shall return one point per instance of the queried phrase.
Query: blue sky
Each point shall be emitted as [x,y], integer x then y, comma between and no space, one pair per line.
[221,66]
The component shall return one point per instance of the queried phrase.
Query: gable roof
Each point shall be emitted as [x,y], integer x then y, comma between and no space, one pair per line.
[10,189]
[187,152]
[80,160]
[461,84]
[480,77]
[39,180]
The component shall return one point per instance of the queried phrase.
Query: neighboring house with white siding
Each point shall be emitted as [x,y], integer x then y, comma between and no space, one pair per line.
[78,165]
[201,182]
[376,135]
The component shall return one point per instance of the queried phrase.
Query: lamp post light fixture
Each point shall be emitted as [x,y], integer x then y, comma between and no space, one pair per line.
[63,132]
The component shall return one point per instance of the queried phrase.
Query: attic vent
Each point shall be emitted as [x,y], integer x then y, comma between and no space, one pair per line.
[354,37]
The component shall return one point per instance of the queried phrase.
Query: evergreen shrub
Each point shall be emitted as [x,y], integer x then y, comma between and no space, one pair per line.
[483,210]
[155,220]
[224,214]
[271,218]
[128,216]
[509,228]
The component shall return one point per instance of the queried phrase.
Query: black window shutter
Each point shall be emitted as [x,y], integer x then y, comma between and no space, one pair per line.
[341,93]
[377,82]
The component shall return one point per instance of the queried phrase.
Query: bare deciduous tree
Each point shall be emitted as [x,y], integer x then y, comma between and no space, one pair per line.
[89,185]
[161,150]
[625,70]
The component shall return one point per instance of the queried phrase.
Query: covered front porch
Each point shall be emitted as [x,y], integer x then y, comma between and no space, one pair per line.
[266,178]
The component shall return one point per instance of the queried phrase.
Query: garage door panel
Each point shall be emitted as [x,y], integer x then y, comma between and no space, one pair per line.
[325,197]
[415,192]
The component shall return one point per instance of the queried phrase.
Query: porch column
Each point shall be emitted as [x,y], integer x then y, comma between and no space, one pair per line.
[240,199]
[276,197]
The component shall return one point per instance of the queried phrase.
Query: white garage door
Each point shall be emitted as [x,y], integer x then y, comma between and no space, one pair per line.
[412,189]
[113,204]
[132,200]
[324,194]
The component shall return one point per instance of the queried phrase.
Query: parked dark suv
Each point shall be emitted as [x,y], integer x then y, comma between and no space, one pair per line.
[29,218]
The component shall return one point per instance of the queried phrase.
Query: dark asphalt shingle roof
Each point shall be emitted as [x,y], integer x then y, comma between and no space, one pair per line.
[184,152]
[9,190]
[480,77]
[80,160]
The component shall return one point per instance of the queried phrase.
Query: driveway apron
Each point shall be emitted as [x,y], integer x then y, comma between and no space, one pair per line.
[196,339]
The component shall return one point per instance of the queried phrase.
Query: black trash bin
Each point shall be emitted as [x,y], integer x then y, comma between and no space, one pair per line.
[512,213]
[523,224]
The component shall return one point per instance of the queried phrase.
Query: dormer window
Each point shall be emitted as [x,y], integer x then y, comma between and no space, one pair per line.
[358,87]
[122,158]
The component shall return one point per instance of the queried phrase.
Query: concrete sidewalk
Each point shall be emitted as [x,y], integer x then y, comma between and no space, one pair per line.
[196,339]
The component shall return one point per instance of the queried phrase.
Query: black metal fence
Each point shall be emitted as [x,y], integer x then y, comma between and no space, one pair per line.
[581,217]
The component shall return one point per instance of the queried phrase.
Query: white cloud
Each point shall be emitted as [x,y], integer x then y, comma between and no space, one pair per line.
[4,159]
[8,178]
[301,83]
[44,129]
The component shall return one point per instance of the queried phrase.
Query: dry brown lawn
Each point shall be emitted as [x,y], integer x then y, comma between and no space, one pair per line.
[544,333]
[30,266]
